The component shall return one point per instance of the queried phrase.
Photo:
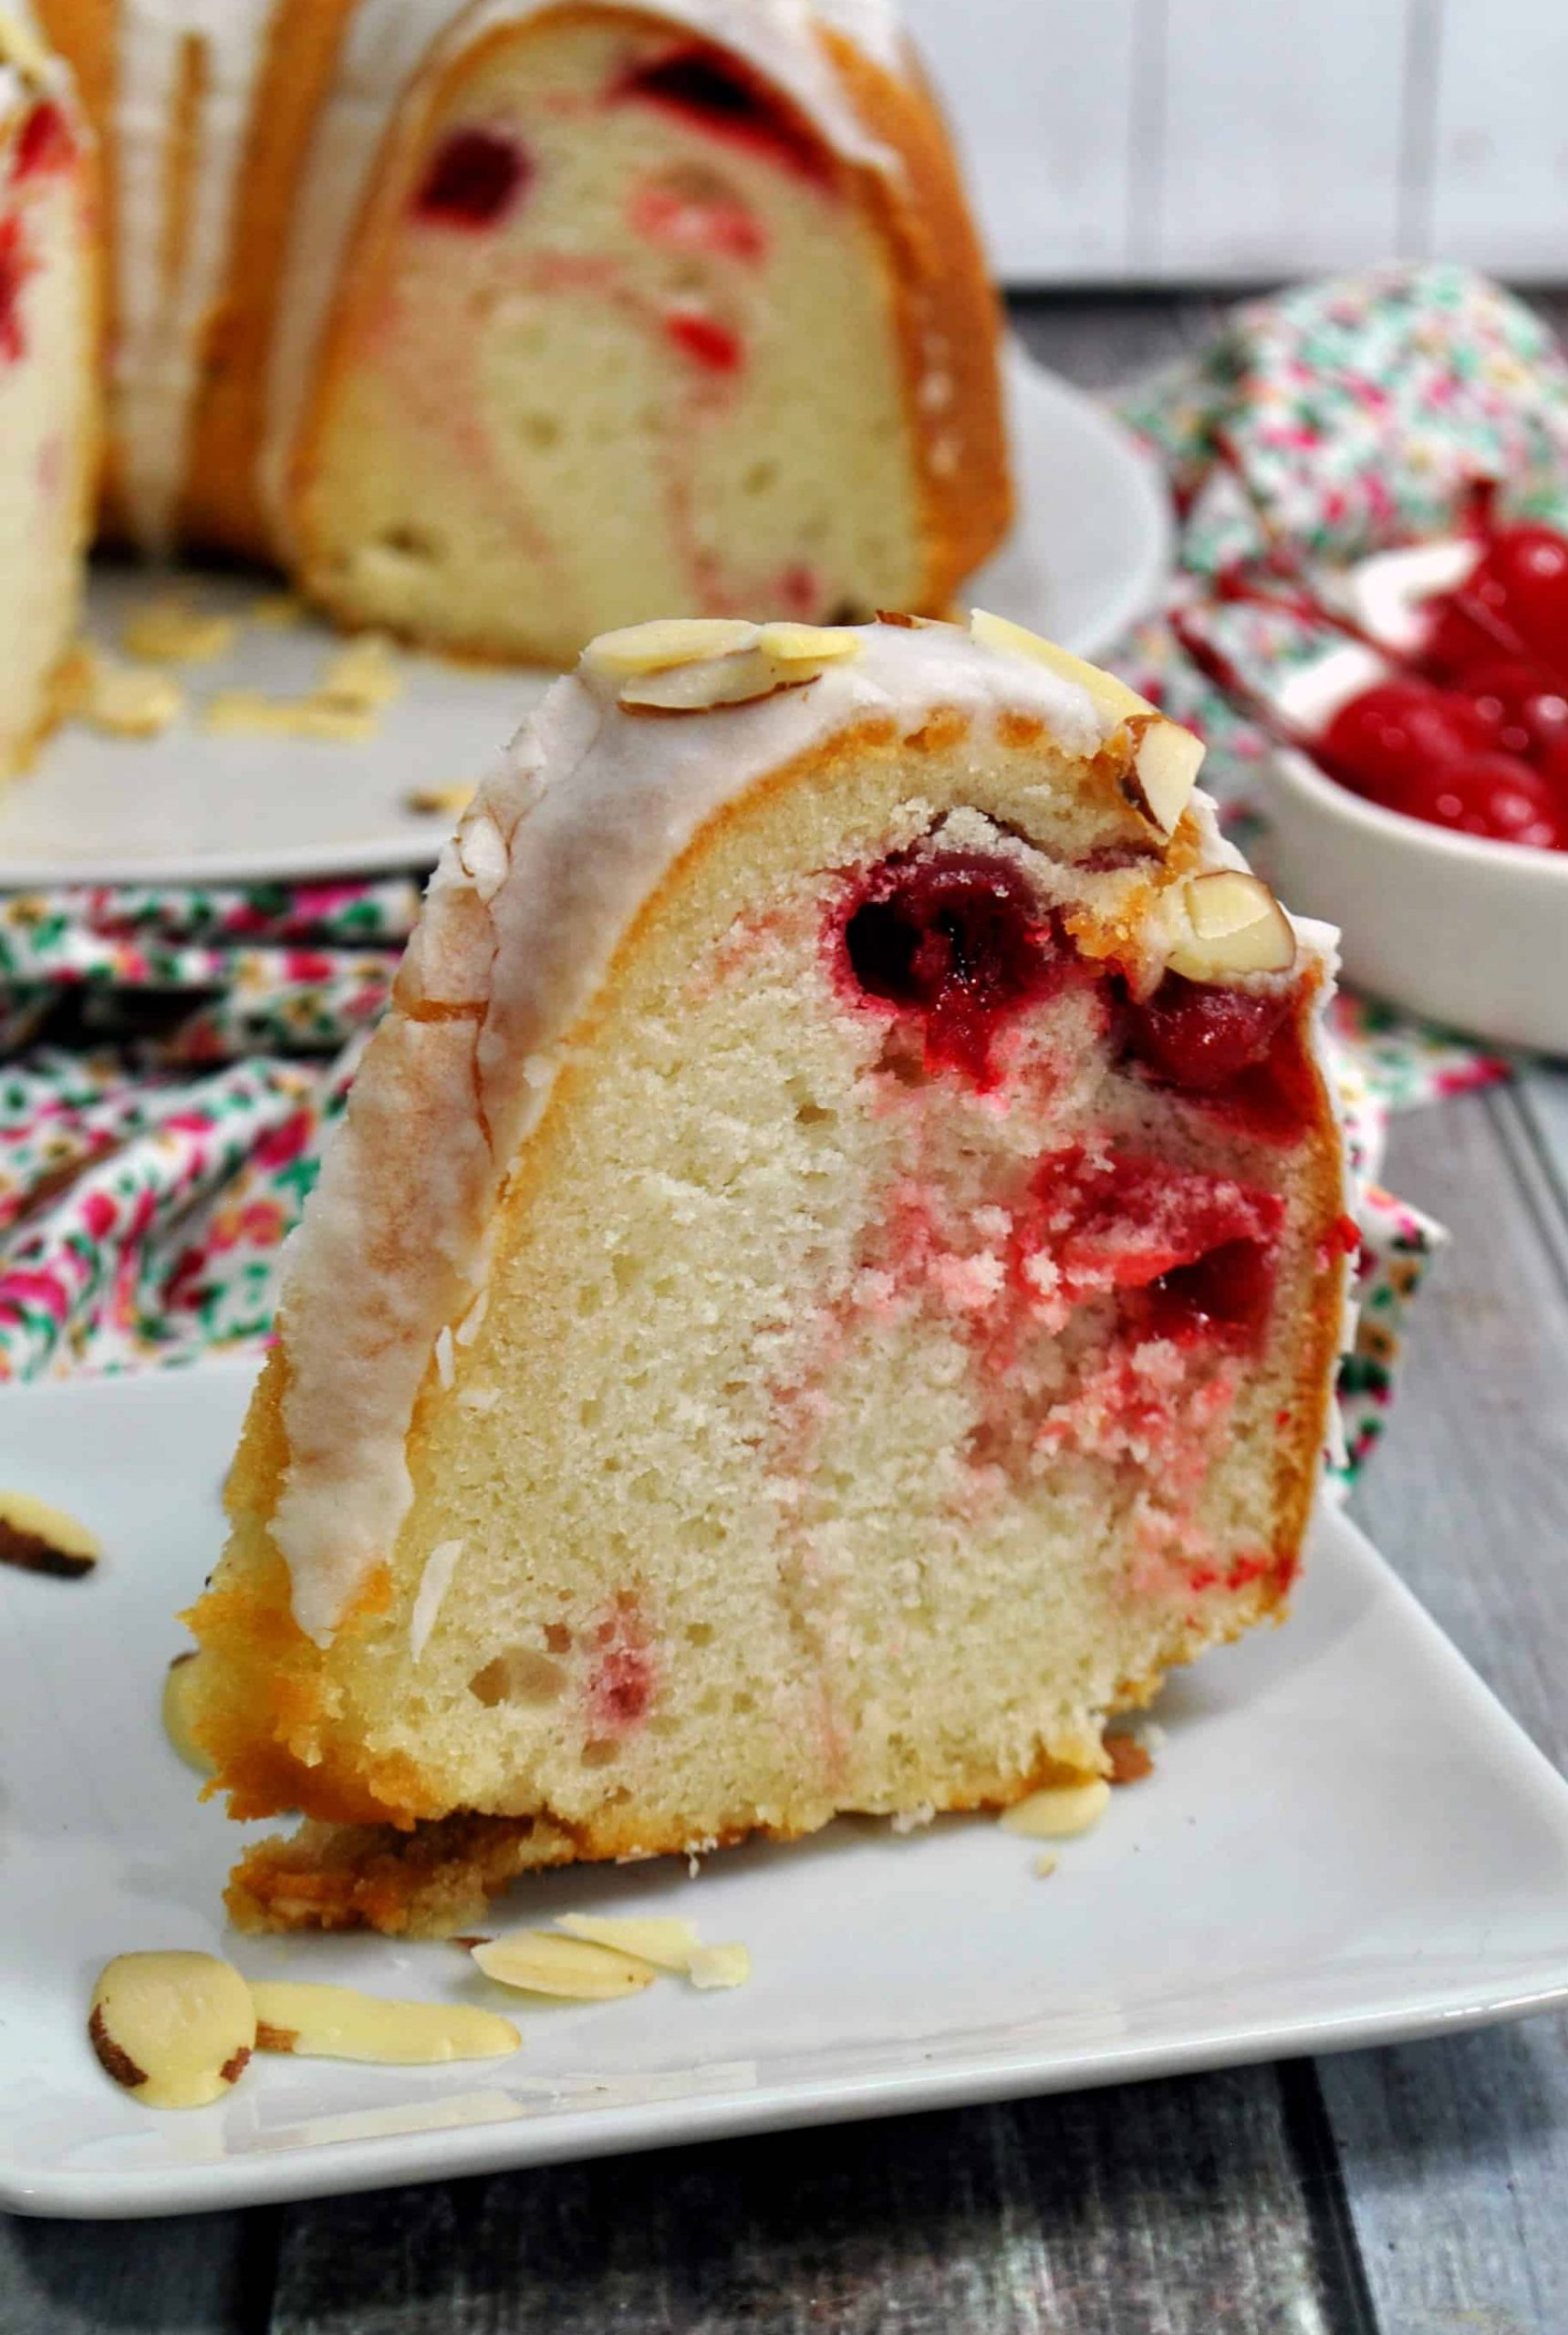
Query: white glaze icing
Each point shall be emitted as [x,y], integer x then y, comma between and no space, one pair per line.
[589,809]
[394,52]
[163,318]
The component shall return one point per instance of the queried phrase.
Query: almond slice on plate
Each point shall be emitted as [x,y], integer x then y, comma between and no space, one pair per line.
[660,1938]
[543,1962]
[1060,1811]
[322,2022]
[176,2030]
[36,1538]
[178,1681]
[1235,925]
[719,1965]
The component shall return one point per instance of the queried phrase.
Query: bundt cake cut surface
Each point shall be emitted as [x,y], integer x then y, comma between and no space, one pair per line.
[500,324]
[48,392]
[827,1287]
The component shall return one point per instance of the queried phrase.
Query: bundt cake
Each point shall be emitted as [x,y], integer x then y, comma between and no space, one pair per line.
[49,399]
[498,322]
[827,1286]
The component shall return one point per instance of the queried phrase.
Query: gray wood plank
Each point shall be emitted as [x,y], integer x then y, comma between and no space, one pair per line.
[1168,2209]
[197,2275]
[1455,2154]
[1102,342]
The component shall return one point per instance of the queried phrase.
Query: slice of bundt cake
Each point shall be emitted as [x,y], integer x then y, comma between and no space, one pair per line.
[641,319]
[827,1287]
[500,321]
[49,399]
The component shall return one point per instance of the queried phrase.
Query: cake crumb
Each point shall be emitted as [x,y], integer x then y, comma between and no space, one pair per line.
[1129,1759]
[915,1819]
[169,631]
[1045,1866]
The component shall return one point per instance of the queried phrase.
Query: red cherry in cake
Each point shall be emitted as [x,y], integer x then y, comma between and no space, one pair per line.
[1227,1292]
[709,92]
[704,340]
[1498,796]
[44,144]
[1201,1037]
[475,178]
[957,938]
[15,266]
[1192,1255]
[693,209]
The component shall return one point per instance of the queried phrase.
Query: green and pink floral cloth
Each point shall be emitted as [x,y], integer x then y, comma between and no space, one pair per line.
[172,1060]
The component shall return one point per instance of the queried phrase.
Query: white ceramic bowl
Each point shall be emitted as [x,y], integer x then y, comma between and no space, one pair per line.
[1449,926]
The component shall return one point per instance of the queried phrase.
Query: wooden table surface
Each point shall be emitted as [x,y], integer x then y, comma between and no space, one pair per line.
[1417,2191]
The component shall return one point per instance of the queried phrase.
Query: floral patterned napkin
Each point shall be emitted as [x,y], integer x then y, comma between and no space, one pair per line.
[172,1060]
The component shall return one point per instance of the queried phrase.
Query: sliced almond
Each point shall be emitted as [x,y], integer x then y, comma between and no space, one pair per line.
[364,675]
[429,800]
[169,631]
[36,1538]
[317,2022]
[667,642]
[1235,925]
[719,681]
[178,1682]
[719,1965]
[339,721]
[809,644]
[1166,759]
[542,1962]
[1112,700]
[659,1938]
[177,2030]
[1166,762]
[1059,1812]
[122,701]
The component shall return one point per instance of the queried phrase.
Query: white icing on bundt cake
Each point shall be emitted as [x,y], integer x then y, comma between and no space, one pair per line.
[500,323]
[826,1287]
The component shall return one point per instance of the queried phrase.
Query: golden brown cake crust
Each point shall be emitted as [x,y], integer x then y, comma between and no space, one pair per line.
[951,321]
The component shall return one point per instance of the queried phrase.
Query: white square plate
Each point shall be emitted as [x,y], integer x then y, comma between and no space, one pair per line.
[1345,1841]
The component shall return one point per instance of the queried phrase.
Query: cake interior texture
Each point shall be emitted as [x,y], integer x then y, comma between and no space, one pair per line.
[48,401]
[619,336]
[901,1343]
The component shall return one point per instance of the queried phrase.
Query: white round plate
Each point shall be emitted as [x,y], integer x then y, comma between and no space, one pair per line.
[1089,553]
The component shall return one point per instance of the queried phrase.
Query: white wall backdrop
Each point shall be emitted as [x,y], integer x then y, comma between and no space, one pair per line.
[1164,140]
